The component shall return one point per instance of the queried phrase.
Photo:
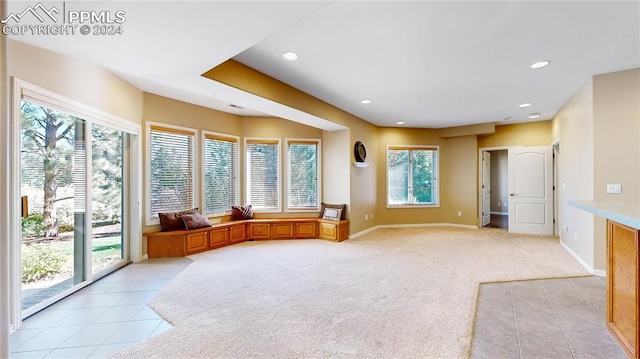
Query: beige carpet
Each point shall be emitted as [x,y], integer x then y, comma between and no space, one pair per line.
[393,293]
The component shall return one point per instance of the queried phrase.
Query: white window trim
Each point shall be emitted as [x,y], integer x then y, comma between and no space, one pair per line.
[247,173]
[154,220]
[436,175]
[236,174]
[319,172]
[26,90]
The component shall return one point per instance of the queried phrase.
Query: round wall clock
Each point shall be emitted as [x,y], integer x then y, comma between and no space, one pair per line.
[359,151]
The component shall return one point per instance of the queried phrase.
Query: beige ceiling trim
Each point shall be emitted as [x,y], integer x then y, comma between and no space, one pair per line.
[242,77]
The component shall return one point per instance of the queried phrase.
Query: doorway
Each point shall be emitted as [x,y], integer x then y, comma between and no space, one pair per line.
[494,187]
[527,201]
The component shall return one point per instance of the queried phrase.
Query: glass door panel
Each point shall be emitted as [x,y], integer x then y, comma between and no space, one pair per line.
[107,197]
[53,189]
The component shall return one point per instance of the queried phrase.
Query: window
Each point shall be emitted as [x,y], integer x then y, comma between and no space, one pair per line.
[302,175]
[171,170]
[263,174]
[412,176]
[220,173]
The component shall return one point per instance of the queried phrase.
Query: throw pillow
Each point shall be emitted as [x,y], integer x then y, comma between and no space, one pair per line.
[343,207]
[195,221]
[172,221]
[241,212]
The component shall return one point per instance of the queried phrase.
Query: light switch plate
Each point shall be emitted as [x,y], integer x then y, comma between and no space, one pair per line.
[614,188]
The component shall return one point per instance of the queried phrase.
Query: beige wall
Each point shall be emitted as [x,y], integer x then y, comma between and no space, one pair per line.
[522,134]
[616,128]
[336,167]
[575,131]
[599,132]
[76,79]
[457,178]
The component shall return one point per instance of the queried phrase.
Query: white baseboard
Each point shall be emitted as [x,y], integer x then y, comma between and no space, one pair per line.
[416,225]
[500,213]
[143,258]
[598,272]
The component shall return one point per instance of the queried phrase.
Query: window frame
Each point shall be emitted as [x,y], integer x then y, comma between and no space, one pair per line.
[318,144]
[236,181]
[435,172]
[247,173]
[152,218]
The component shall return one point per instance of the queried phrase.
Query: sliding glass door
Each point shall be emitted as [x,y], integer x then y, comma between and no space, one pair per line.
[72,188]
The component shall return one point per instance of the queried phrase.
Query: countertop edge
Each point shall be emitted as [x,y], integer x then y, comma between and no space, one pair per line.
[614,211]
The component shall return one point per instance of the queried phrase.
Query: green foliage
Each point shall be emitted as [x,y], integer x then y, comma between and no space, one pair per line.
[411,176]
[40,261]
[32,226]
[65,227]
[303,180]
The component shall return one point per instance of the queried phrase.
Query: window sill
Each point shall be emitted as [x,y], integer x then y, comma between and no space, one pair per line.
[391,206]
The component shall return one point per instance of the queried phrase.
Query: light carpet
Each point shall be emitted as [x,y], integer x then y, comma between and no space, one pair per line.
[392,293]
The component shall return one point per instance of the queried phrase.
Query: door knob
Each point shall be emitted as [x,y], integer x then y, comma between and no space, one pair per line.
[512,194]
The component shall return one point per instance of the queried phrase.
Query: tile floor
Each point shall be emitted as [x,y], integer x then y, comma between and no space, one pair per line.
[555,318]
[103,318]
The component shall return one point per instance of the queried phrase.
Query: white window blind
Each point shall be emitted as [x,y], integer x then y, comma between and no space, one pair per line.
[220,173]
[412,176]
[171,169]
[302,181]
[263,174]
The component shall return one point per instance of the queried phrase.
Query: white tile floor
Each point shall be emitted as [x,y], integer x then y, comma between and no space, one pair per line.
[101,319]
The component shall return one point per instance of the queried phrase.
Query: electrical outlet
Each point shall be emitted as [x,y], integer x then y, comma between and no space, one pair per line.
[371,215]
[366,217]
[565,228]
[505,205]
[614,188]
[499,205]
[575,235]
[459,213]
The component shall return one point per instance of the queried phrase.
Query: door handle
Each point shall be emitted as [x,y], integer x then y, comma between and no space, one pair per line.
[512,194]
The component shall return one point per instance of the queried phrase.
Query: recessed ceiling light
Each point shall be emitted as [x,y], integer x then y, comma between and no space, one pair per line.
[291,56]
[540,64]
[366,101]
[400,122]
[525,105]
[534,115]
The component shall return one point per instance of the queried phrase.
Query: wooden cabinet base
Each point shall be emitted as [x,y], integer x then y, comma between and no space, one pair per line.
[336,231]
[183,243]
[623,286]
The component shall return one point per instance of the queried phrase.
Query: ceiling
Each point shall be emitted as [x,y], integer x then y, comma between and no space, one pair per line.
[425,63]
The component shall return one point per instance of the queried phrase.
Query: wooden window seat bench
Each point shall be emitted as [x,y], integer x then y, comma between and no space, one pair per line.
[185,242]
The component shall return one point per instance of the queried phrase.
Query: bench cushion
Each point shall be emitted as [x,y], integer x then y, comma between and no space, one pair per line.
[195,221]
[172,221]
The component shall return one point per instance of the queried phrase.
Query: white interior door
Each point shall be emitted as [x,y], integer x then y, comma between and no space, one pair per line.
[486,188]
[531,190]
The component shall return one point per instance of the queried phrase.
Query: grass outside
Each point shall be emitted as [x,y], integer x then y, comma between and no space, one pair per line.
[106,250]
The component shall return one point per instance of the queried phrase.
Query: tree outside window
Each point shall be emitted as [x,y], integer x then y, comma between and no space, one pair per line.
[412,176]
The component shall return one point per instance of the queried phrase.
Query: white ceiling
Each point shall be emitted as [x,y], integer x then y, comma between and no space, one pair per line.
[430,64]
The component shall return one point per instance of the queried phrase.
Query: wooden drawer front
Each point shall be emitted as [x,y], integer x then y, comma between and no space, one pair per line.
[197,242]
[259,231]
[218,237]
[237,234]
[282,230]
[160,246]
[328,231]
[306,230]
